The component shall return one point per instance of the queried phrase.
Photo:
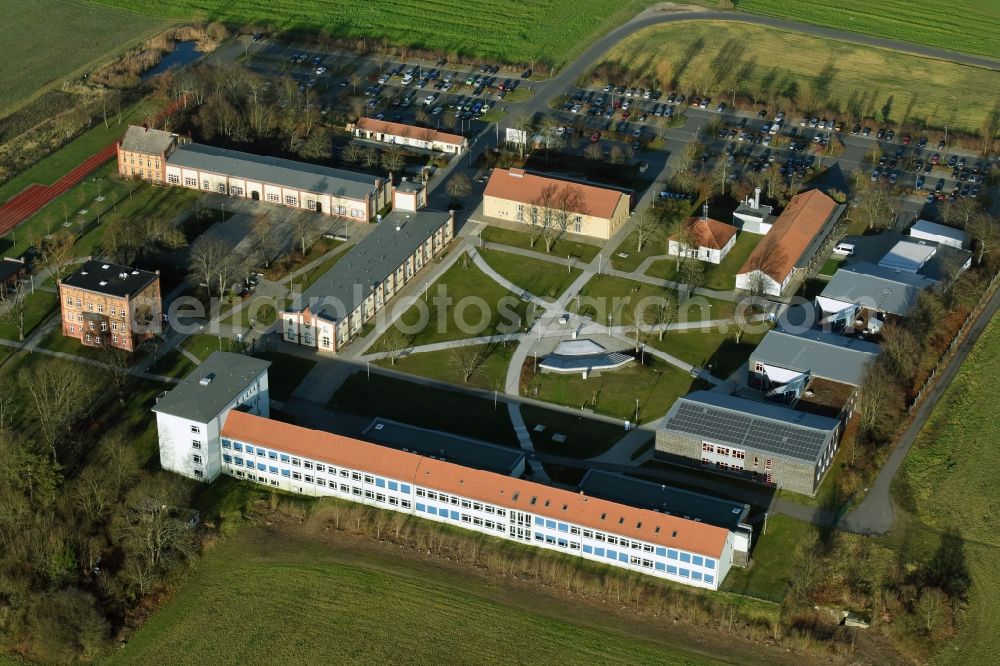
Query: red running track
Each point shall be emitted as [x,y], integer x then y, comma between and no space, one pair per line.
[30,200]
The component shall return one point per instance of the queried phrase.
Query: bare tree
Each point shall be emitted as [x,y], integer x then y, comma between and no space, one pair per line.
[14,308]
[8,403]
[59,394]
[646,224]
[370,157]
[567,205]
[54,251]
[878,400]
[522,123]
[116,360]
[594,152]
[985,231]
[764,262]
[692,274]
[394,344]
[213,263]
[352,153]
[392,158]
[304,231]
[459,186]
[466,359]
[875,203]
[268,239]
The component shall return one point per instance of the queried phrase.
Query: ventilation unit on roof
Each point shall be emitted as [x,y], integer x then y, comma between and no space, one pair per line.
[207,379]
[379,426]
[135,272]
[106,266]
[123,276]
[103,283]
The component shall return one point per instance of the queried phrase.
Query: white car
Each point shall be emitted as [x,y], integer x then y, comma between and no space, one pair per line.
[429,100]
[406,79]
[382,80]
[320,71]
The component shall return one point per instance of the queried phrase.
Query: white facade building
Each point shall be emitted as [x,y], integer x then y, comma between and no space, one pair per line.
[190,417]
[939,233]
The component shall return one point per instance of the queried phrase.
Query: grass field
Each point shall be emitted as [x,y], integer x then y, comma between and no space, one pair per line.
[540,278]
[584,252]
[721,276]
[715,57]
[301,600]
[550,31]
[772,556]
[608,294]
[703,348]
[46,41]
[949,481]
[960,25]
[490,374]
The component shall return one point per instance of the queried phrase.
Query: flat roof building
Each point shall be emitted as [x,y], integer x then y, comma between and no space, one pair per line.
[782,357]
[791,243]
[311,462]
[331,312]
[426,138]
[939,233]
[445,446]
[752,216]
[763,441]
[865,287]
[518,196]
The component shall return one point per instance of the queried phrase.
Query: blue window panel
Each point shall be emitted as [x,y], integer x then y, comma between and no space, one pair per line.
[709,578]
[599,552]
[612,555]
[563,543]
[539,536]
[685,573]
[380,483]
[393,485]
[671,569]
[238,447]
[273,470]
[623,557]
[421,507]
[588,549]
[696,575]
[662,552]
[660,566]
[227,458]
[285,458]
[685,557]
[249,449]
[285,472]
[226,444]
[551,524]
[273,455]
[455,516]
[432,510]
[239,461]
[539,521]
[697,559]
[405,488]
[671,554]
[262,467]
[709,563]
[563,527]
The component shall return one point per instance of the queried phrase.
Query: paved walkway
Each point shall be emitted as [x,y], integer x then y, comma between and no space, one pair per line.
[444,346]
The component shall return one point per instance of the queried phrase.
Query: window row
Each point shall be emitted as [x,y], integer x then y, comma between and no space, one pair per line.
[462,517]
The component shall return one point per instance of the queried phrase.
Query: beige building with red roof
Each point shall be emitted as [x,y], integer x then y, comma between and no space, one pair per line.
[426,138]
[791,244]
[515,195]
[703,239]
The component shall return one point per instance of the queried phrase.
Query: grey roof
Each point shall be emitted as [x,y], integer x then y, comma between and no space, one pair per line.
[110,279]
[839,358]
[925,228]
[665,499]
[275,170]
[444,446]
[876,287]
[726,419]
[230,375]
[151,141]
[409,186]
[343,288]
[762,211]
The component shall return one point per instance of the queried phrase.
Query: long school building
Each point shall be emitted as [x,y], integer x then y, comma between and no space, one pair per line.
[317,463]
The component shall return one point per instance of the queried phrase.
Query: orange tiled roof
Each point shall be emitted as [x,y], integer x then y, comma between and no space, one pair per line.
[706,232]
[791,234]
[409,131]
[519,185]
[555,503]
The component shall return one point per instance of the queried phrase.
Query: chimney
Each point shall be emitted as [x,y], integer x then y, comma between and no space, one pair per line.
[704,211]
[756,198]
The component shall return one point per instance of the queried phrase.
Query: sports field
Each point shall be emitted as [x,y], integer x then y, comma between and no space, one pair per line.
[949,481]
[715,57]
[259,598]
[46,40]
[550,31]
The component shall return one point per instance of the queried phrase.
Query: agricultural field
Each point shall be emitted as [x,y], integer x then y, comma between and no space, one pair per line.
[970,26]
[885,86]
[48,40]
[952,462]
[545,31]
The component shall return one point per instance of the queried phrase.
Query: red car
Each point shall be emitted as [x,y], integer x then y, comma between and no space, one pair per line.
[626,114]
[906,140]
[595,137]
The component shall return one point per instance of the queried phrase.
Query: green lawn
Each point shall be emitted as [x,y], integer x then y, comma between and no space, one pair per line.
[585,252]
[260,309]
[721,276]
[204,345]
[540,278]
[424,406]
[886,86]
[830,266]
[285,374]
[656,386]
[606,295]
[553,31]
[708,347]
[47,41]
[54,340]
[302,599]
[585,437]
[39,306]
[948,480]
[652,247]
[773,560]
[490,374]
[463,303]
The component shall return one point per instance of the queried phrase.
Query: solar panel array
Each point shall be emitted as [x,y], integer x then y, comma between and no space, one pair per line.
[747,430]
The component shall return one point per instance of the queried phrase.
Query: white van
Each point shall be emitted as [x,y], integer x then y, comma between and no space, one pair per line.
[844,249]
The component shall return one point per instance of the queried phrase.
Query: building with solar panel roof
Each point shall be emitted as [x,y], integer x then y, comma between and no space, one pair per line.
[762,441]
